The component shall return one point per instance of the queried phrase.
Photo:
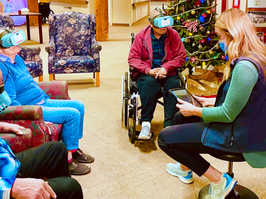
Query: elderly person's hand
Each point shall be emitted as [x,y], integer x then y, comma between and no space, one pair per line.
[7,127]
[30,188]
[161,73]
[188,109]
[154,72]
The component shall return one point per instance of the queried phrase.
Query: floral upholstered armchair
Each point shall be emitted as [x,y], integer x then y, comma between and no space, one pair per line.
[72,45]
[31,117]
[30,54]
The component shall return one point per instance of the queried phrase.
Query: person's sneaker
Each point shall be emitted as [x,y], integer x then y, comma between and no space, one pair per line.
[221,190]
[145,133]
[175,170]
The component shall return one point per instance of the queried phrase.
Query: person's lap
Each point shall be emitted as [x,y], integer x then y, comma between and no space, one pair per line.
[151,89]
[49,162]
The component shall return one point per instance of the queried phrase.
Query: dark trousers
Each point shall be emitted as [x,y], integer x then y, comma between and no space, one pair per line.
[150,90]
[49,161]
[182,142]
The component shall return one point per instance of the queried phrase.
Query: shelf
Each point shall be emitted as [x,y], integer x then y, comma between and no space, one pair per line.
[262,25]
[71,1]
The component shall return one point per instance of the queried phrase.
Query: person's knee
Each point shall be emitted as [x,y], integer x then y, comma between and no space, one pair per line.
[58,146]
[66,188]
[75,188]
[162,139]
[80,105]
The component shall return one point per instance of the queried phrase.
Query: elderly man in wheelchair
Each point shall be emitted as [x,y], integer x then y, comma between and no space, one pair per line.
[155,55]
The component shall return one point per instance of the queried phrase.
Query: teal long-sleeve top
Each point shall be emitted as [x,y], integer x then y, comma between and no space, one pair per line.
[244,78]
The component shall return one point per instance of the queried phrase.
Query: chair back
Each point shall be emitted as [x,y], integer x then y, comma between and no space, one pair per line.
[6,22]
[72,33]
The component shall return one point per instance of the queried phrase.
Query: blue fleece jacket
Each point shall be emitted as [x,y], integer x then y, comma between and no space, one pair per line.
[20,86]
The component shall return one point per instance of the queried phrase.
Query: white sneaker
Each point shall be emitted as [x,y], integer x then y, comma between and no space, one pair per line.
[175,170]
[145,133]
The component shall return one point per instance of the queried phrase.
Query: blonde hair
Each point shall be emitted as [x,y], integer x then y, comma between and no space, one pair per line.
[244,41]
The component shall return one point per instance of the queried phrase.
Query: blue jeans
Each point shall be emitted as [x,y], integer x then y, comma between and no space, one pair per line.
[69,113]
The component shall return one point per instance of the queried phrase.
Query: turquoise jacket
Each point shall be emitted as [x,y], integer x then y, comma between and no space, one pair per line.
[9,167]
[20,86]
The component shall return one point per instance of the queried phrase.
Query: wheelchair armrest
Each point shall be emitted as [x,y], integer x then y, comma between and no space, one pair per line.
[183,80]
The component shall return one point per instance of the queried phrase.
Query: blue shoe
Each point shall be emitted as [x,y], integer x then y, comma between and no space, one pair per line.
[221,190]
[175,170]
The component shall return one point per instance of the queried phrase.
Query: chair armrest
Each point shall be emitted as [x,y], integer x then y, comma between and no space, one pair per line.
[50,48]
[30,53]
[18,143]
[28,117]
[30,112]
[96,47]
[55,89]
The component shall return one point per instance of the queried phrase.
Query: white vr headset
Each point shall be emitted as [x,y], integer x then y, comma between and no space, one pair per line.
[162,21]
[10,38]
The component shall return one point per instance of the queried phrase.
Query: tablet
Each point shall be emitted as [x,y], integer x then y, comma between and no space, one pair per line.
[185,95]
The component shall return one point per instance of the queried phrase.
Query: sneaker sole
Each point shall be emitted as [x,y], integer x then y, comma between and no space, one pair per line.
[229,189]
[182,179]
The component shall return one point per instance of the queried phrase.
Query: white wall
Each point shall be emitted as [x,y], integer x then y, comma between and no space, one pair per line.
[158,4]
[58,7]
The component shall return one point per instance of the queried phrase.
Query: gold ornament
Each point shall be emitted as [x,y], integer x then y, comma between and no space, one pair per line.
[193,12]
[208,32]
[210,52]
[178,17]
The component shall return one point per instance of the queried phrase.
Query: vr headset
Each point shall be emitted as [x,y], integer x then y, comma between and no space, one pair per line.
[161,21]
[10,38]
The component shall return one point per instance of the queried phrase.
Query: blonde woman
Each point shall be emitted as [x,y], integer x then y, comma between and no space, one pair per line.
[236,122]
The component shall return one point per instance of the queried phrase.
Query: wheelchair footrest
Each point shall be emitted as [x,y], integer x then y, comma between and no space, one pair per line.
[152,138]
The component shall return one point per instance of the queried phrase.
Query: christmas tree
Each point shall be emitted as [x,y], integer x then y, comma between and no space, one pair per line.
[194,20]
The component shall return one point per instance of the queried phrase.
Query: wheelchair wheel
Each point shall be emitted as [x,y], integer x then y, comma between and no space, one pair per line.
[132,133]
[125,96]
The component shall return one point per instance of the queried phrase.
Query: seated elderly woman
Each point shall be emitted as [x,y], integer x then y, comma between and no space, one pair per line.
[23,90]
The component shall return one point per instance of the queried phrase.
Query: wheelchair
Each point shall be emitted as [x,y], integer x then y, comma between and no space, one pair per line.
[44,8]
[130,96]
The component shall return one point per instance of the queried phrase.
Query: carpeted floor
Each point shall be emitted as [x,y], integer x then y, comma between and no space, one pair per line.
[123,170]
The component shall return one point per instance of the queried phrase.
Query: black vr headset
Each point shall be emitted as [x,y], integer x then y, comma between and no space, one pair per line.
[161,21]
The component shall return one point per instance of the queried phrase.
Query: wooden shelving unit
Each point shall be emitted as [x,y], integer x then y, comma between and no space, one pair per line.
[260,27]
[71,1]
